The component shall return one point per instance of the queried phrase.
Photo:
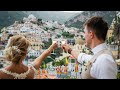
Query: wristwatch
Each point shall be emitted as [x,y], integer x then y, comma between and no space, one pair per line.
[69,50]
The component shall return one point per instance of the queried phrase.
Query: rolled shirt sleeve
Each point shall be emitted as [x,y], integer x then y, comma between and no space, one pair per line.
[83,57]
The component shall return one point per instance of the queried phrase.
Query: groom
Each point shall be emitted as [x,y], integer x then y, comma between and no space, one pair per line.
[103,65]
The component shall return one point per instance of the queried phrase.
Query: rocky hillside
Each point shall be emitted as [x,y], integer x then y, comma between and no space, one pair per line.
[59,16]
[79,20]
[9,17]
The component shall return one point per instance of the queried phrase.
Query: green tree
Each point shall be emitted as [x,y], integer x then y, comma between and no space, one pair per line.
[48,59]
[47,43]
[33,57]
[53,28]
[58,35]
[58,52]
[46,28]
[53,63]
[43,65]
[67,35]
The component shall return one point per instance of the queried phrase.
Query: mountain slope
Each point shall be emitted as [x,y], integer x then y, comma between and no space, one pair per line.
[59,16]
[9,17]
[80,19]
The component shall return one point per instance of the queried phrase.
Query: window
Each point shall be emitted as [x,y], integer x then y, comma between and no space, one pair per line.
[114,47]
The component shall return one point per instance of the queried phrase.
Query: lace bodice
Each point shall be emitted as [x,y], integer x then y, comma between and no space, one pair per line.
[19,76]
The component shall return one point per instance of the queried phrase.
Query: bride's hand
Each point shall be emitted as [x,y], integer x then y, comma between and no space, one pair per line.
[54,45]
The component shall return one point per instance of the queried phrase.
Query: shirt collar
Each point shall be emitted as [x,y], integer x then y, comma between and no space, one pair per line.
[99,48]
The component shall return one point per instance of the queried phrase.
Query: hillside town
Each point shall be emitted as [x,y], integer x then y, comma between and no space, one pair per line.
[41,34]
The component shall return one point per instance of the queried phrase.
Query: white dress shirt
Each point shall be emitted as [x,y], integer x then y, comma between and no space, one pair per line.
[104,67]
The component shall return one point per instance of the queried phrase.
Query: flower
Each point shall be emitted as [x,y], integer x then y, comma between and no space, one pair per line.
[16,48]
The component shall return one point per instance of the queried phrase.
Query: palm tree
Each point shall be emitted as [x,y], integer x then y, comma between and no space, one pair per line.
[117,31]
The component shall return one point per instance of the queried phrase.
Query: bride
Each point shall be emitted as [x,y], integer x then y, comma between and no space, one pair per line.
[15,52]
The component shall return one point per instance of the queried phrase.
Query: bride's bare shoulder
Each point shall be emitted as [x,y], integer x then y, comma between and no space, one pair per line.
[2,75]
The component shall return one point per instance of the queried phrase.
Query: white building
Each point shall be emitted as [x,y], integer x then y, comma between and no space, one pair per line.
[24,30]
[113,47]
[31,17]
[1,53]
[55,24]
[34,53]
[48,25]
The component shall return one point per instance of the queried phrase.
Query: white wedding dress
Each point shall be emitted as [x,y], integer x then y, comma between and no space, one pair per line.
[19,76]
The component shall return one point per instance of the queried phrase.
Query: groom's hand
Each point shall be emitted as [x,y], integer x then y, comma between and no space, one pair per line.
[65,47]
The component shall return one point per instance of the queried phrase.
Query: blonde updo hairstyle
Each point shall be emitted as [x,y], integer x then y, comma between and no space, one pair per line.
[16,48]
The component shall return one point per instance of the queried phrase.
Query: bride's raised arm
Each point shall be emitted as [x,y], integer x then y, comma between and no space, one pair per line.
[38,61]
